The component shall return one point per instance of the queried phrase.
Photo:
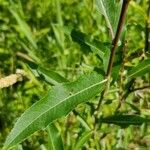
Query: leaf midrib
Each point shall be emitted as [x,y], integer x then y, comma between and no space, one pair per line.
[59,104]
[138,71]
[107,19]
[93,46]
[89,44]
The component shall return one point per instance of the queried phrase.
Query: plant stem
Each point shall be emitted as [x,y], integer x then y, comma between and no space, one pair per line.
[114,47]
[117,36]
[24,56]
[140,88]
[134,90]
[147,30]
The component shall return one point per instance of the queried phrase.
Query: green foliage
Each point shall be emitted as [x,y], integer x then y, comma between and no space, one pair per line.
[48,76]
[83,139]
[87,45]
[64,48]
[86,42]
[58,102]
[107,7]
[24,27]
[125,120]
[140,70]
[55,141]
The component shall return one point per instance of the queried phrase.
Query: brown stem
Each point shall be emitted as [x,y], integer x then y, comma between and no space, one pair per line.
[147,30]
[134,90]
[140,88]
[117,36]
[113,50]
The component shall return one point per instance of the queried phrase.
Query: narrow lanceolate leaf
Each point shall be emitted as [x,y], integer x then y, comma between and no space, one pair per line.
[106,60]
[55,140]
[59,35]
[99,48]
[49,76]
[111,11]
[59,101]
[136,109]
[139,70]
[83,139]
[87,44]
[24,27]
[124,120]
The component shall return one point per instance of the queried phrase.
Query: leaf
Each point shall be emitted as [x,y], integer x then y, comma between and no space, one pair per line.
[124,120]
[59,101]
[111,11]
[136,109]
[31,52]
[47,75]
[139,70]
[102,49]
[4,56]
[83,139]
[119,56]
[24,27]
[86,42]
[115,72]
[55,140]
[106,60]
[59,35]
[83,122]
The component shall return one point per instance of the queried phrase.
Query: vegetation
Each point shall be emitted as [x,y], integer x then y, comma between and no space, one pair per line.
[74,74]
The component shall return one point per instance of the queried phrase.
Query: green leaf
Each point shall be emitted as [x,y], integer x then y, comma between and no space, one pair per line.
[55,140]
[24,27]
[102,49]
[49,76]
[115,72]
[59,101]
[106,60]
[83,122]
[139,70]
[59,35]
[86,42]
[83,139]
[111,11]
[136,109]
[124,120]
[4,56]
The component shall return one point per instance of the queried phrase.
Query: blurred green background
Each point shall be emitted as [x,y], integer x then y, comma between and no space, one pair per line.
[34,29]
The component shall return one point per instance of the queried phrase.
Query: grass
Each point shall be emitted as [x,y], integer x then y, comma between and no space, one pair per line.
[35,28]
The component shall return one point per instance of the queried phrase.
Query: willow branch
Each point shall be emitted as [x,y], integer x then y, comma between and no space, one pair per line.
[114,47]
[147,30]
[117,36]
[140,88]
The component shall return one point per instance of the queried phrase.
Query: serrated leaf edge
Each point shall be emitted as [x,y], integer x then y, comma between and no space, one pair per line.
[7,145]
